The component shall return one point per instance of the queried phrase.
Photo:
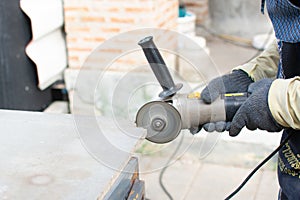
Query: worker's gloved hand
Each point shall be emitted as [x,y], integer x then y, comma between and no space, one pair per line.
[255,112]
[237,81]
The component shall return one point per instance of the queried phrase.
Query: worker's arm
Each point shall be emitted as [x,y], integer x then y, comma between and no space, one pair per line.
[283,95]
[263,66]
[284,102]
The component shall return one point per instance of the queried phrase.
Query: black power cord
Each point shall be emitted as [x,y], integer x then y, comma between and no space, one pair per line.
[290,134]
[161,174]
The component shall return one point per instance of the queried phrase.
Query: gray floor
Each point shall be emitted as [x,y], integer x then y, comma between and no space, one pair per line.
[211,166]
[196,173]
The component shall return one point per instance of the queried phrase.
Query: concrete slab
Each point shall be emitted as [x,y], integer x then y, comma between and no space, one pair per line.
[44,156]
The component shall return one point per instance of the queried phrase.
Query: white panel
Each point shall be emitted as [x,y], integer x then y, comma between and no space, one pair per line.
[45,15]
[49,55]
[47,48]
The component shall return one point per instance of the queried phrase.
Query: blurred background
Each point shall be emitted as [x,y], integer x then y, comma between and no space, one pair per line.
[47,44]
[48,41]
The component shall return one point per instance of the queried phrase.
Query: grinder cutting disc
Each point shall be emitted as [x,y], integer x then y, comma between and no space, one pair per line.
[162,121]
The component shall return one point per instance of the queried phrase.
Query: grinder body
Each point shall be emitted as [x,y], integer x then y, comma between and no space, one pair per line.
[166,118]
[194,112]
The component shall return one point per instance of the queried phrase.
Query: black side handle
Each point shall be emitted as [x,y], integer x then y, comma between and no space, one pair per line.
[159,68]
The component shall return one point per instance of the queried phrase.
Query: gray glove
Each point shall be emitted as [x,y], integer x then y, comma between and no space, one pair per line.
[237,81]
[217,126]
[255,112]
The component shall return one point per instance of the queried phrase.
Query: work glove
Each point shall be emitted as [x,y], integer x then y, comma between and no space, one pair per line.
[237,81]
[255,112]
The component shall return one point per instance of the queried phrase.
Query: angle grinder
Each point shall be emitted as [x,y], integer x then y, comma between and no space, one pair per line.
[165,118]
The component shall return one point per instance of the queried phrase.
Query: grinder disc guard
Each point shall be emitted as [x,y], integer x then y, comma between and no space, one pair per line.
[162,121]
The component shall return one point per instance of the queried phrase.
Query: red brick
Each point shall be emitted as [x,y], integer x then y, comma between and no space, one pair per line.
[92,19]
[138,9]
[74,58]
[119,51]
[90,22]
[196,4]
[113,9]
[94,39]
[111,30]
[126,61]
[78,9]
[70,18]
[71,40]
[122,20]
[80,49]
[200,8]
[75,66]
[77,29]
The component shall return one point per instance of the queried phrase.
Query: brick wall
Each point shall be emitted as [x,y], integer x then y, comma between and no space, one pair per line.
[90,22]
[200,8]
